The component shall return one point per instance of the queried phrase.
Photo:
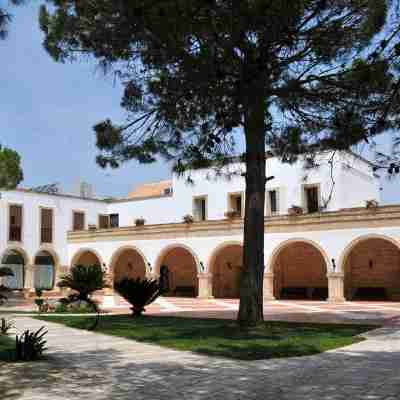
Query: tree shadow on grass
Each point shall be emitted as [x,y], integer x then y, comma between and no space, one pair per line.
[109,373]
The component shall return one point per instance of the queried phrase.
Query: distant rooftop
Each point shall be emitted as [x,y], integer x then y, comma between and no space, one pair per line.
[156,189]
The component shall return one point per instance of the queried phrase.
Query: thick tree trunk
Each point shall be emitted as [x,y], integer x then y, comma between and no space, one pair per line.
[251,289]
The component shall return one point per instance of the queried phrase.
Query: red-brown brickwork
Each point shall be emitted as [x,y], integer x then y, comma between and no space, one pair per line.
[299,265]
[182,270]
[373,263]
[226,272]
[129,264]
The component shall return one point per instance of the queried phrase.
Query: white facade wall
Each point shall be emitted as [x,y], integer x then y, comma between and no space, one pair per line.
[347,182]
[63,208]
[333,245]
[354,184]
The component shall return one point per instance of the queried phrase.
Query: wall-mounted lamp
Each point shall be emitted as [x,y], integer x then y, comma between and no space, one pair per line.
[333,264]
[202,267]
[150,267]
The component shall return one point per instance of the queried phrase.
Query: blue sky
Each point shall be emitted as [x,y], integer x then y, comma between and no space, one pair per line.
[47,111]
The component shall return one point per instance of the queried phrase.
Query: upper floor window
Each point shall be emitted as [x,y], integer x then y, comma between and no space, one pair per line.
[236,203]
[273,202]
[15,223]
[114,220]
[78,221]
[104,221]
[312,198]
[200,208]
[46,225]
[108,221]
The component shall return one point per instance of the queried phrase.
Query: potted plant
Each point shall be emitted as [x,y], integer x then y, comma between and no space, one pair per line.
[295,210]
[371,204]
[140,221]
[188,219]
[39,301]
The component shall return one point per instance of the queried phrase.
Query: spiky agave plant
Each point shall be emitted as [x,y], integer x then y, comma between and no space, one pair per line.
[30,346]
[139,293]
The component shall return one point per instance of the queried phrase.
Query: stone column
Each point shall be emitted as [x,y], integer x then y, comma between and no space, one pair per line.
[205,286]
[59,271]
[108,292]
[269,286]
[152,275]
[28,280]
[336,287]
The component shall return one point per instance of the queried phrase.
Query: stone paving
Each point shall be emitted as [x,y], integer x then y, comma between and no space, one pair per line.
[84,365]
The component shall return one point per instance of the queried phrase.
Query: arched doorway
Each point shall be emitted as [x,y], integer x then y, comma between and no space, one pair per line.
[128,263]
[372,270]
[86,257]
[14,260]
[44,271]
[300,272]
[226,267]
[177,267]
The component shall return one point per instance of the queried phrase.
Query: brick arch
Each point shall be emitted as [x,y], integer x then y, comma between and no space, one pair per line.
[371,267]
[183,267]
[128,261]
[92,256]
[18,281]
[17,249]
[288,242]
[300,268]
[226,264]
[360,239]
[52,253]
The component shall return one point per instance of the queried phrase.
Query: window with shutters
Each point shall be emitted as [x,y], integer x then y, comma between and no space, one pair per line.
[273,202]
[104,221]
[114,220]
[78,223]
[200,208]
[46,225]
[312,198]
[236,203]
[15,223]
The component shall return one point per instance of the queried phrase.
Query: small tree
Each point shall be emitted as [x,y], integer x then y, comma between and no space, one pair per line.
[84,280]
[10,168]
[139,293]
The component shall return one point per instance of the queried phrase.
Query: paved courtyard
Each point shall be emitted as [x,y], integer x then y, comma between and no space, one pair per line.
[303,311]
[379,313]
[84,365]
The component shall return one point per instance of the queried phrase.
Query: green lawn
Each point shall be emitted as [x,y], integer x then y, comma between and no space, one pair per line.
[7,347]
[224,338]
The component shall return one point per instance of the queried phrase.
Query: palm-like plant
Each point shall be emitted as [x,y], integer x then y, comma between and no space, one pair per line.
[139,293]
[84,280]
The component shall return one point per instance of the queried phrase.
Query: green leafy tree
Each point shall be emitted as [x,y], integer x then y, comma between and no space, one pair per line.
[10,168]
[292,76]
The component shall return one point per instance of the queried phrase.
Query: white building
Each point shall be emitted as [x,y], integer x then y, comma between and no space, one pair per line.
[337,248]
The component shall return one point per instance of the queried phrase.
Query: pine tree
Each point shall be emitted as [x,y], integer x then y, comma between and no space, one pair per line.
[5,16]
[292,75]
